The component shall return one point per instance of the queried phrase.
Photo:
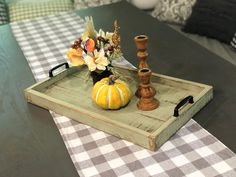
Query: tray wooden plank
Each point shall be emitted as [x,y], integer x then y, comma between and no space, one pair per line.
[68,94]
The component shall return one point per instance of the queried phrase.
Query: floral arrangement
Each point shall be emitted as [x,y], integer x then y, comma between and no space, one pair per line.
[95,49]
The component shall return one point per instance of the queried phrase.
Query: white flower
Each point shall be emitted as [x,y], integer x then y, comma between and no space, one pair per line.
[107,35]
[101,33]
[99,61]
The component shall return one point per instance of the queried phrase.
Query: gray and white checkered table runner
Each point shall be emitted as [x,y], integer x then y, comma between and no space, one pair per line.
[191,152]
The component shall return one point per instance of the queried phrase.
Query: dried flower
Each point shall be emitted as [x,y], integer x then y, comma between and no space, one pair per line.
[90,45]
[75,56]
[95,49]
[106,36]
[99,61]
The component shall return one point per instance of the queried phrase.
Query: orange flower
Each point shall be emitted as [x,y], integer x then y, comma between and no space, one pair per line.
[90,45]
[75,56]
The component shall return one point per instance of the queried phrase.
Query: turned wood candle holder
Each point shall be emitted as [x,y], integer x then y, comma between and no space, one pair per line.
[141,44]
[147,102]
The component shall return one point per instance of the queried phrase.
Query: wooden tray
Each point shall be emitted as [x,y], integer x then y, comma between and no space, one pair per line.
[68,94]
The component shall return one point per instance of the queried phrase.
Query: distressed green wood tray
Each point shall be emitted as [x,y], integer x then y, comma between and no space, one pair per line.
[68,94]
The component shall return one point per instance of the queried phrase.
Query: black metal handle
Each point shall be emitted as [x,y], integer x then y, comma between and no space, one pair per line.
[188,99]
[56,67]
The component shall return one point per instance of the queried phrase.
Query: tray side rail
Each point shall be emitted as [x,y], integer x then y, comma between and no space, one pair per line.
[100,122]
[160,136]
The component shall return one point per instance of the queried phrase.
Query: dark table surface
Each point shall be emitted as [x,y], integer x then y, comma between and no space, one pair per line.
[30,143]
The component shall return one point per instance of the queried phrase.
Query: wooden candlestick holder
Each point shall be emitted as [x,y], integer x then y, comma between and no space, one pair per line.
[147,102]
[141,44]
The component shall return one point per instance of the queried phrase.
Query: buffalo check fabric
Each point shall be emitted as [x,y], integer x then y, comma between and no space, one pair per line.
[233,42]
[191,152]
[3,13]
[19,11]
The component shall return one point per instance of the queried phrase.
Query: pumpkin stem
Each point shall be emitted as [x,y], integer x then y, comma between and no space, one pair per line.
[112,79]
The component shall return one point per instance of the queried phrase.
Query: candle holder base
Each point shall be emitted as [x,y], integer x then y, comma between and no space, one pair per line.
[138,94]
[147,104]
